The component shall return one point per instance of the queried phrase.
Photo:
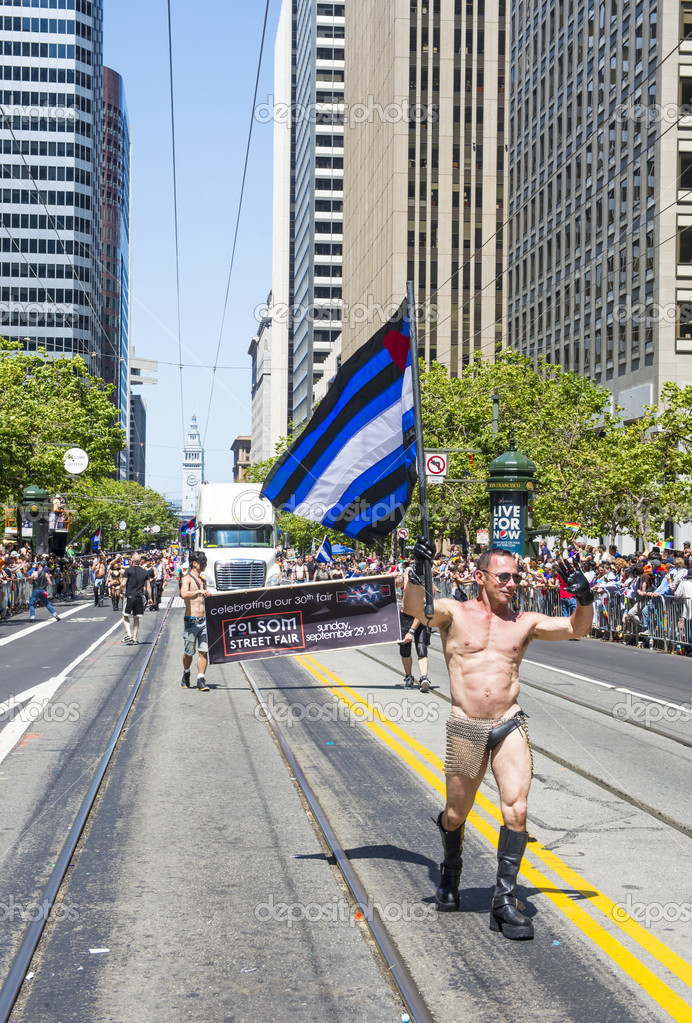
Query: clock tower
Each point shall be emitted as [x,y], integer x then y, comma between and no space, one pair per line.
[193,470]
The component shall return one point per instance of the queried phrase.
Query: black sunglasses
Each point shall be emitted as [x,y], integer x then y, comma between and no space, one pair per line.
[504,577]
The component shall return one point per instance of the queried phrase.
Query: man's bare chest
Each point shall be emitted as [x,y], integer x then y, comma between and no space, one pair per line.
[474,633]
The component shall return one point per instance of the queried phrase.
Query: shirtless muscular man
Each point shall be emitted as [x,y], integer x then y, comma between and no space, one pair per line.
[484,641]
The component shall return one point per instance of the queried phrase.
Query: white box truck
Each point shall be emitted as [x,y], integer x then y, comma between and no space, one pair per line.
[236,529]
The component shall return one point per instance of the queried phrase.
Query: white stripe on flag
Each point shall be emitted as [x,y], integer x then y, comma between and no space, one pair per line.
[378,439]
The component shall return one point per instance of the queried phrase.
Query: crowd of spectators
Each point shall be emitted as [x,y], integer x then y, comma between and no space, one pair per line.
[17,562]
[629,580]
[624,584]
[70,573]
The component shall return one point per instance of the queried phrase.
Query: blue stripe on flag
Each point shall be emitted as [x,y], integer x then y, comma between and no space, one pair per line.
[358,487]
[384,401]
[324,554]
[382,508]
[378,362]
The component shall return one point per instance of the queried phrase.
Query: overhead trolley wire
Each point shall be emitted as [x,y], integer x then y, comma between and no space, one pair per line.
[652,72]
[579,206]
[51,221]
[237,222]
[175,217]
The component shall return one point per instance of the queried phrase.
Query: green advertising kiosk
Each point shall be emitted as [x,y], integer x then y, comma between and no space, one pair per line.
[510,485]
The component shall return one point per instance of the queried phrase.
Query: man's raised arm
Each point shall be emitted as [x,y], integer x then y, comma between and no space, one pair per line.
[414,591]
[578,624]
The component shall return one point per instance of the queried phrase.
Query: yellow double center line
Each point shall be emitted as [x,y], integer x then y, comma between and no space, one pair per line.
[419,760]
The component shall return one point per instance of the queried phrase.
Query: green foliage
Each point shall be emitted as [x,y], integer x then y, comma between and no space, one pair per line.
[554,416]
[647,470]
[107,502]
[47,406]
[590,468]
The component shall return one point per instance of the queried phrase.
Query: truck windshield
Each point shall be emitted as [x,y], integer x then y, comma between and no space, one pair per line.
[238,536]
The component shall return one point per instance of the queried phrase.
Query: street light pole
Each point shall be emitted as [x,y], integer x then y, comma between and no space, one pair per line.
[496,413]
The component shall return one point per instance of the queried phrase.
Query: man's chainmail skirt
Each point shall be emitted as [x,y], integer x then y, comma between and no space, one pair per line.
[467,743]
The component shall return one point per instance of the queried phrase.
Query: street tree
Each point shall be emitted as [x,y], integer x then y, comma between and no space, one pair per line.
[556,417]
[48,405]
[107,502]
[646,468]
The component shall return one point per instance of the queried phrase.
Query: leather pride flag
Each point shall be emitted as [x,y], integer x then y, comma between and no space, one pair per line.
[353,468]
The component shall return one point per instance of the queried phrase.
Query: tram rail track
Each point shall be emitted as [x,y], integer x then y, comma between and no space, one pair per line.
[397,969]
[614,790]
[21,963]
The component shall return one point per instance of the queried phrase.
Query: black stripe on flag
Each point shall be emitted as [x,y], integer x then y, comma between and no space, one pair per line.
[300,468]
[380,492]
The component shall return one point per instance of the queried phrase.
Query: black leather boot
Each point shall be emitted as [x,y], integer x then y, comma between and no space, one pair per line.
[505,915]
[447,894]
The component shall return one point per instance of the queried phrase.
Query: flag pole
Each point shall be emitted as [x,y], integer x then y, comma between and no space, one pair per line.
[420,451]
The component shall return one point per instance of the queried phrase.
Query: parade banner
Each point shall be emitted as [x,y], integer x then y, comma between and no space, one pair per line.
[307,617]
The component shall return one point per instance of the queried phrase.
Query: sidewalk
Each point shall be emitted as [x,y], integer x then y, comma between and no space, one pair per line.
[204,880]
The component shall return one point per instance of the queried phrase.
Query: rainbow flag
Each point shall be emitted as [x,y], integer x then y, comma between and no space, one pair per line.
[574,526]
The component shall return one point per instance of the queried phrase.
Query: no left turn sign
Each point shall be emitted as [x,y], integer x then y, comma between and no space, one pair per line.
[436,464]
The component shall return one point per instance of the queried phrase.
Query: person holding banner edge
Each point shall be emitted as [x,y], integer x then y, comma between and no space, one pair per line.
[484,641]
[193,591]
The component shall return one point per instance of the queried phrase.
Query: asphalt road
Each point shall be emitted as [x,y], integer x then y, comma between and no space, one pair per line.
[201,890]
[63,686]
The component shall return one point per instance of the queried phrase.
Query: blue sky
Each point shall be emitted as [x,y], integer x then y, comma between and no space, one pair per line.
[215,52]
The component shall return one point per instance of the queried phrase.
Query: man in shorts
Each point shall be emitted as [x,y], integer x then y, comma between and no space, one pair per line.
[484,641]
[413,631]
[137,582]
[98,567]
[193,591]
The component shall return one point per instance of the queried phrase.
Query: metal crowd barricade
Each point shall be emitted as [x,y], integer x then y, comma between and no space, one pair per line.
[15,594]
[5,592]
[544,599]
[664,621]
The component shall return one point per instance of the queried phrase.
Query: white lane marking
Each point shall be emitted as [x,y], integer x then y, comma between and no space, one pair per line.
[609,685]
[572,674]
[34,627]
[178,602]
[41,695]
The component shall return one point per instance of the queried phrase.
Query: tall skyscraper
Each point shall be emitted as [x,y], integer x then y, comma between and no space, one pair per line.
[600,229]
[115,249]
[424,193]
[51,137]
[137,447]
[193,469]
[142,373]
[308,196]
[265,429]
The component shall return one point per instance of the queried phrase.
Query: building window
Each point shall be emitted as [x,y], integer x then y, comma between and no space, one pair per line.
[686,19]
[685,245]
[685,170]
[684,320]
